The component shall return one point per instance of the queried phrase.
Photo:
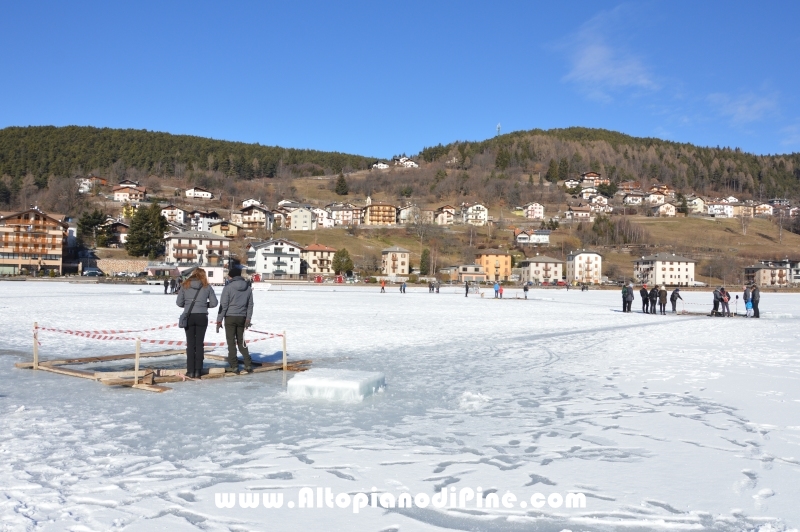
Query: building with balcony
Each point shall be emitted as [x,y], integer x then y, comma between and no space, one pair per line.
[542,269]
[201,248]
[130,194]
[174,214]
[345,214]
[664,268]
[764,275]
[471,273]
[495,262]
[534,211]
[444,215]
[302,219]
[379,214]
[396,261]
[226,228]
[584,267]
[253,218]
[32,240]
[319,259]
[275,259]
[474,214]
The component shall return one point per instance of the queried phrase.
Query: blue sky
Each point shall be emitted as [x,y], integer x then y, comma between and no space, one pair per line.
[382,78]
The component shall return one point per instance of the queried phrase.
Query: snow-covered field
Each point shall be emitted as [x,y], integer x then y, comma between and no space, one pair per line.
[663,422]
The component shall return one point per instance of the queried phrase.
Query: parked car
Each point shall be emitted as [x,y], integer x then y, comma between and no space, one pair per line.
[561,283]
[96,271]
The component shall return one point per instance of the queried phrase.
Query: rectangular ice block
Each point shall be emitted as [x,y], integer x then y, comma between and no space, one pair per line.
[335,384]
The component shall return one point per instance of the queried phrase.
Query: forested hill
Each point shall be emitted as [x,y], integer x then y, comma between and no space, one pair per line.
[61,151]
[559,153]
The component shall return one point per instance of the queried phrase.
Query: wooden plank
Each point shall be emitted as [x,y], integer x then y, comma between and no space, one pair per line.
[70,372]
[23,365]
[107,358]
[151,388]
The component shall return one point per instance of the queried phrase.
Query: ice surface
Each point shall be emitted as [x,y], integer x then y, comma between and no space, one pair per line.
[664,422]
[335,384]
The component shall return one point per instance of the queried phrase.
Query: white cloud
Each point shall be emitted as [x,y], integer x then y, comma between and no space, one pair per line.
[744,108]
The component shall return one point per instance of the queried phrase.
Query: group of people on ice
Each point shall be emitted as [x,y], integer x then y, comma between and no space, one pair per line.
[751,297]
[651,298]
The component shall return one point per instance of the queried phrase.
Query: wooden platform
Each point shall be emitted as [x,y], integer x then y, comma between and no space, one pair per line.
[150,379]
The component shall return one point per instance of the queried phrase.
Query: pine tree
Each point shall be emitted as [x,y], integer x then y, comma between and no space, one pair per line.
[146,233]
[552,171]
[425,262]
[341,186]
[342,263]
[563,169]
[88,224]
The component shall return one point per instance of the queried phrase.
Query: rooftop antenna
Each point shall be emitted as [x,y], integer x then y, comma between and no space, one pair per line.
[498,129]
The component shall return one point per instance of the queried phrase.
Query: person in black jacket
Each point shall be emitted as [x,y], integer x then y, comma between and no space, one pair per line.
[653,298]
[645,300]
[755,297]
[717,299]
[673,298]
[196,297]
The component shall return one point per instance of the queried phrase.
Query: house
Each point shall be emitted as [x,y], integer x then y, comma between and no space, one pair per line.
[779,202]
[318,259]
[541,269]
[198,248]
[496,263]
[472,273]
[663,210]
[380,166]
[226,228]
[536,237]
[654,198]
[594,179]
[323,218]
[767,276]
[404,162]
[444,215]
[117,233]
[696,204]
[474,214]
[32,240]
[629,186]
[174,214]
[719,210]
[408,214]
[427,216]
[395,261]
[664,268]
[127,183]
[253,218]
[729,199]
[633,198]
[199,193]
[533,211]
[302,219]
[202,220]
[345,214]
[251,201]
[379,213]
[588,192]
[741,209]
[98,181]
[666,190]
[129,194]
[275,259]
[572,183]
[579,213]
[762,209]
[584,267]
[792,265]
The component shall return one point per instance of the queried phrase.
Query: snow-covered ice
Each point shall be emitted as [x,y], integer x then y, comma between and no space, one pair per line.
[663,422]
[335,384]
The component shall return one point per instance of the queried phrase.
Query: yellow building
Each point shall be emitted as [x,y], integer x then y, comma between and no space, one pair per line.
[496,263]
[32,240]
[225,228]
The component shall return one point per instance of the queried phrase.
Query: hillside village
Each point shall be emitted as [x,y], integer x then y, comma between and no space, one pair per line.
[531,243]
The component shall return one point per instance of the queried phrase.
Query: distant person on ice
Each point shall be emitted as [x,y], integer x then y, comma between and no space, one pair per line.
[717,299]
[496,290]
[196,297]
[236,306]
[383,286]
[629,298]
[755,298]
[643,294]
[748,304]
[525,290]
[166,286]
[724,297]
[653,298]
[500,291]
[662,300]
[466,288]
[673,298]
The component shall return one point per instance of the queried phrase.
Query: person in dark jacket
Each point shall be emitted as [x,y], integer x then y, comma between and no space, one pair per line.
[662,300]
[645,300]
[466,288]
[724,297]
[236,307]
[717,299]
[628,298]
[196,297]
[525,290]
[673,298]
[653,295]
[625,298]
[746,299]
[755,297]
[166,286]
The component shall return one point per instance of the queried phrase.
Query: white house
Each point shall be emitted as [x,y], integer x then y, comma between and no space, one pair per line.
[409,164]
[199,193]
[253,218]
[763,209]
[579,213]
[537,237]
[696,204]
[128,183]
[380,166]
[249,202]
[534,211]
[663,210]
[198,247]
[729,199]
[655,198]
[302,219]
[275,259]
[584,267]
[396,261]
[345,214]
[323,217]
[202,220]
[588,192]
[444,215]
[130,194]
[541,269]
[664,268]
[719,210]
[572,183]
[474,214]
[633,198]
[174,214]
[408,214]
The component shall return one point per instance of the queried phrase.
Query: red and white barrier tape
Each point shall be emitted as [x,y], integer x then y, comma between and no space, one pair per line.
[109,332]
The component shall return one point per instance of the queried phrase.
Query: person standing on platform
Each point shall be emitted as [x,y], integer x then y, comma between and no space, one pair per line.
[645,300]
[236,307]
[196,297]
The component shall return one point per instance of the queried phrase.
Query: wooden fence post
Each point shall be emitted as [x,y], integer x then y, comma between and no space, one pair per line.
[284,352]
[35,345]
[136,364]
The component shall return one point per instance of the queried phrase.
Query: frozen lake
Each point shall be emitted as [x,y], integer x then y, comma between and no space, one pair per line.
[662,422]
